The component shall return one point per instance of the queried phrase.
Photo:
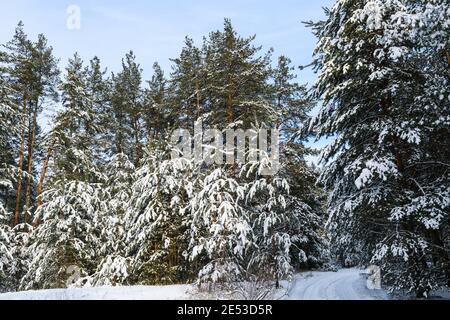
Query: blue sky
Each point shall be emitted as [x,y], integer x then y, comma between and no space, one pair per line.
[155,30]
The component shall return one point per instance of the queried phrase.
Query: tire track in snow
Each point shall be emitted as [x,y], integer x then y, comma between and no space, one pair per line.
[345,284]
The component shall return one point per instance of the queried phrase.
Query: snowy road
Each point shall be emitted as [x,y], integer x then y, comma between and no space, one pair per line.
[346,284]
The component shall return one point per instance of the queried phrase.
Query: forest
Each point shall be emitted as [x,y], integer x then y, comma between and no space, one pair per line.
[97,192]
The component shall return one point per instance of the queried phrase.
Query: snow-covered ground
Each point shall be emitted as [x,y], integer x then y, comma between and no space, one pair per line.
[348,284]
[342,285]
[176,292]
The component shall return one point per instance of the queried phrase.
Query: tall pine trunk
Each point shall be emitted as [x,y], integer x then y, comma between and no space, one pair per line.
[137,142]
[21,157]
[199,107]
[40,187]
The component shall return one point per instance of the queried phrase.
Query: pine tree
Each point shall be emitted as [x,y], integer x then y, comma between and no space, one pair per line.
[5,254]
[220,228]
[115,264]
[159,117]
[306,206]
[13,261]
[98,87]
[34,74]
[236,74]
[305,202]
[67,237]
[382,77]
[8,136]
[290,98]
[157,222]
[75,127]
[188,85]
[126,100]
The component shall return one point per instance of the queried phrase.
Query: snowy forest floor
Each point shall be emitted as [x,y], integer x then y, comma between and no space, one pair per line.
[346,284]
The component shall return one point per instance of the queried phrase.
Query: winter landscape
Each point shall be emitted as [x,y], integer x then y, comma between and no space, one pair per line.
[227,169]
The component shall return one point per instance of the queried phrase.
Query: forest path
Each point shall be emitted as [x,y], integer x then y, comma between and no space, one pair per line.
[346,284]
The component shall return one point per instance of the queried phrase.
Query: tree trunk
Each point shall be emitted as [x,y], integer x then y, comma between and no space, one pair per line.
[440,254]
[199,108]
[40,187]
[230,112]
[138,149]
[395,141]
[22,151]
[31,142]
[279,119]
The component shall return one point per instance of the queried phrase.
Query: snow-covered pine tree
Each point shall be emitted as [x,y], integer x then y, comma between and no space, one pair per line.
[98,87]
[305,201]
[159,115]
[188,86]
[241,228]
[306,206]
[290,98]
[34,75]
[157,222]
[13,240]
[67,241]
[7,140]
[383,77]
[221,231]
[265,202]
[64,248]
[75,126]
[237,75]
[5,254]
[9,136]
[113,268]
